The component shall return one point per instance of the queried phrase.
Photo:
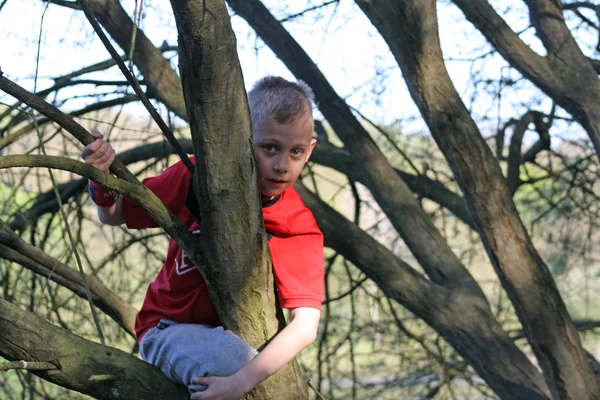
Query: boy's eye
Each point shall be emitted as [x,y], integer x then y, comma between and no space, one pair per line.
[269,148]
[297,152]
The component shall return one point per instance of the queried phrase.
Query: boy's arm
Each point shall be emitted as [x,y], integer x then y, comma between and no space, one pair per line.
[112,215]
[297,335]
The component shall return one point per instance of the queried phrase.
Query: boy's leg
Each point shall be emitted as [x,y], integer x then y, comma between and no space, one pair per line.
[185,351]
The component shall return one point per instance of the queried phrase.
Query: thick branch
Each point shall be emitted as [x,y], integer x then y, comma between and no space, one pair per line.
[138,192]
[463,320]
[388,189]
[515,160]
[14,249]
[410,29]
[23,336]
[483,16]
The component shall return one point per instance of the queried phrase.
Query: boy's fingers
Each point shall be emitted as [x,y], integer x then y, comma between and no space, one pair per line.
[107,160]
[199,380]
[91,148]
[97,152]
[97,134]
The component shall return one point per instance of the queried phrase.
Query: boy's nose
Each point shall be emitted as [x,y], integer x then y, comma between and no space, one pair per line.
[280,165]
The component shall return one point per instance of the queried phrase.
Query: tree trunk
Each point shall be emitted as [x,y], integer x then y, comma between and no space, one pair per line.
[410,29]
[240,277]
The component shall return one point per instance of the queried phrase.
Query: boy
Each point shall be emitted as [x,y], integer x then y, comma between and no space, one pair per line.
[177,327]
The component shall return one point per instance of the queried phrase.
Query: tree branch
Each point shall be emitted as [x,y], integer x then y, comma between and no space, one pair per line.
[138,192]
[46,202]
[14,249]
[80,362]
[136,86]
[390,192]
[463,320]
[53,113]
[542,312]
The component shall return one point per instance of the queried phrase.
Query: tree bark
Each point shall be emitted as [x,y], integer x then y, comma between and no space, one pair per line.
[87,367]
[239,278]
[463,320]
[410,29]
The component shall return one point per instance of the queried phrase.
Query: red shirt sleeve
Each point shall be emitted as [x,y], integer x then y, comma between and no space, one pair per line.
[297,252]
[171,187]
[298,270]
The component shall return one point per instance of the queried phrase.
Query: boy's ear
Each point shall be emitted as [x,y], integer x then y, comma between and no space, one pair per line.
[312,145]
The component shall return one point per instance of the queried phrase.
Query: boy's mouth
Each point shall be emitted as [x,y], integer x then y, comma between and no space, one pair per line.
[278,181]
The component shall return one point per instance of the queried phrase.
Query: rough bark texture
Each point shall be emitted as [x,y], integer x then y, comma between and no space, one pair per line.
[87,367]
[239,278]
[410,29]
[462,319]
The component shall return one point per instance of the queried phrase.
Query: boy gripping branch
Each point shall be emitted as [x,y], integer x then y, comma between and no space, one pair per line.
[177,327]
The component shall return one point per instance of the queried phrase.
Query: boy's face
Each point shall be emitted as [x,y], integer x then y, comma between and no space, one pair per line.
[281,151]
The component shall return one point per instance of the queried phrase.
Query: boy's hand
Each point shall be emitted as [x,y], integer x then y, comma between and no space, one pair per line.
[219,388]
[99,153]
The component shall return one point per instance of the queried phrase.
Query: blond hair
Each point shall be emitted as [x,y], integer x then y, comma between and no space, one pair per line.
[280,100]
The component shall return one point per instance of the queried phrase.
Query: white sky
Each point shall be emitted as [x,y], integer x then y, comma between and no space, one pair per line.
[346,47]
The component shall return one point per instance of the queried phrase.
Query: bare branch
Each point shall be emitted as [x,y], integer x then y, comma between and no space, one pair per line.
[14,249]
[138,192]
[46,202]
[64,3]
[60,118]
[136,86]
[24,336]
[392,194]
[100,105]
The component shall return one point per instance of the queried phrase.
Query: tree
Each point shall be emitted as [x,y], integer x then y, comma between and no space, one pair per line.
[447,296]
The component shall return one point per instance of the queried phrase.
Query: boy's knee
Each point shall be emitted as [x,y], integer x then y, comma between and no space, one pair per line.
[233,352]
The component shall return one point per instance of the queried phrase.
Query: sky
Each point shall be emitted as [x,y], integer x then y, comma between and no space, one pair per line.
[339,38]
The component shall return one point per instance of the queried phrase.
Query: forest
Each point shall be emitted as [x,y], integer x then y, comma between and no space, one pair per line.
[455,180]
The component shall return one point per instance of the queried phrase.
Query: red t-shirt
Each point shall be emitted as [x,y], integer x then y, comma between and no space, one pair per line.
[179,292]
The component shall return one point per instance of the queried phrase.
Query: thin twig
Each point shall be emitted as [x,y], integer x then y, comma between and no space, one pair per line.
[319,395]
[28,365]
[136,86]
[53,113]
[59,200]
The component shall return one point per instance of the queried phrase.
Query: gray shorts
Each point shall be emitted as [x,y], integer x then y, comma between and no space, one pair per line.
[185,351]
